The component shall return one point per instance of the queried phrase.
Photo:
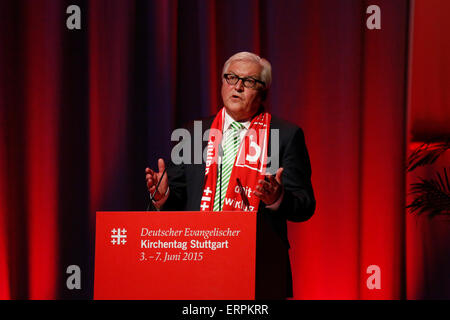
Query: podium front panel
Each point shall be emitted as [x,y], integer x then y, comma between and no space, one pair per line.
[175,255]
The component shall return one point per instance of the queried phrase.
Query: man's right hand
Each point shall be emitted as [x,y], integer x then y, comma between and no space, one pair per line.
[152,179]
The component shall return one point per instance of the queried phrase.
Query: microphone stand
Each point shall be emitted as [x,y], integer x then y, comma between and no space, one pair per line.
[152,196]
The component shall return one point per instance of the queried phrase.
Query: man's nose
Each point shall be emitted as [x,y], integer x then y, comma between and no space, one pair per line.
[239,86]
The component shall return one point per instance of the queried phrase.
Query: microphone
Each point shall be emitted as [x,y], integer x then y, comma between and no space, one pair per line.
[152,196]
[220,175]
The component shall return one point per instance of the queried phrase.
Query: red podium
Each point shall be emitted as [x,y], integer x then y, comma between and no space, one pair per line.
[175,255]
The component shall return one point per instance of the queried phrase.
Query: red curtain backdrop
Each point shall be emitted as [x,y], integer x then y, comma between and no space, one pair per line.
[4,274]
[430,71]
[83,112]
[354,119]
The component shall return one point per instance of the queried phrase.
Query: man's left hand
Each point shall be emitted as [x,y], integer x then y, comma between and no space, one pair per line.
[270,191]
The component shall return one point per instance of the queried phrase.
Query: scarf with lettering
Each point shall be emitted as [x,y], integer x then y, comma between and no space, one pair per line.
[249,165]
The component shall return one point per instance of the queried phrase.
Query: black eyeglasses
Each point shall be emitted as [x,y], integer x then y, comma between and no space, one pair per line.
[248,82]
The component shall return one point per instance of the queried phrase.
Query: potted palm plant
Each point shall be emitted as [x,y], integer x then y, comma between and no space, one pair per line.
[430,203]
[431,195]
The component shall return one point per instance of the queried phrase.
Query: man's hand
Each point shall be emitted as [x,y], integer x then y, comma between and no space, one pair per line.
[152,179]
[270,191]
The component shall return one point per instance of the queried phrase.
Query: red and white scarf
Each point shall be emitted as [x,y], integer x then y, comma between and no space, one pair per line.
[249,165]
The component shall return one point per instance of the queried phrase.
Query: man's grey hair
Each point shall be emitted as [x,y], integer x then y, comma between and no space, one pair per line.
[266,72]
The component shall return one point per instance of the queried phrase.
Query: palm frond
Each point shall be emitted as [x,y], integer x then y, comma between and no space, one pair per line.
[427,153]
[431,196]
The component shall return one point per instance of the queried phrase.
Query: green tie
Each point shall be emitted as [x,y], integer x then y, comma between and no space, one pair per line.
[230,149]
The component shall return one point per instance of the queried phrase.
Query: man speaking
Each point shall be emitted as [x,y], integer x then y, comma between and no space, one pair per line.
[236,174]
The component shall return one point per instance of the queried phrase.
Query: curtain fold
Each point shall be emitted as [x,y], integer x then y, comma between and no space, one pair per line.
[40,125]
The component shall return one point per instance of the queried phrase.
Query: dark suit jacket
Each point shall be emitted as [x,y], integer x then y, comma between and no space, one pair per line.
[273,273]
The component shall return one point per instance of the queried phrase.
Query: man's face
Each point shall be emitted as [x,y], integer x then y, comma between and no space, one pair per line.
[241,102]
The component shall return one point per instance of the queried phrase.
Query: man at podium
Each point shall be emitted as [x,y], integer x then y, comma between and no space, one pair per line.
[252,161]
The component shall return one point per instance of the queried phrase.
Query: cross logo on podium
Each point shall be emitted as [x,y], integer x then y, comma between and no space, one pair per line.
[118,236]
